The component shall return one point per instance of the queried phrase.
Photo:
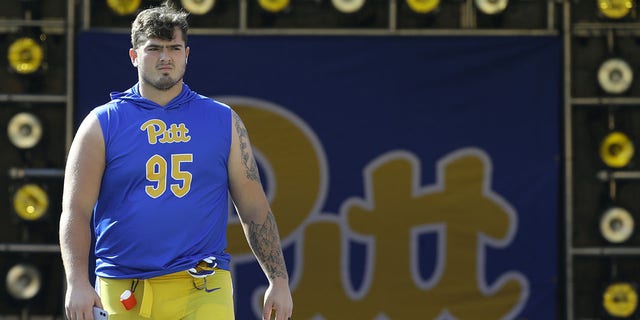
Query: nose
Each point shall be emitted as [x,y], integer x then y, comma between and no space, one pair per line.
[164,54]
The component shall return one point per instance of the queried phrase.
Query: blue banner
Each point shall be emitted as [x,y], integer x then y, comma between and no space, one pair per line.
[411,177]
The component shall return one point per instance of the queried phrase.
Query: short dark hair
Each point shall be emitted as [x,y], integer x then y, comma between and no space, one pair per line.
[158,23]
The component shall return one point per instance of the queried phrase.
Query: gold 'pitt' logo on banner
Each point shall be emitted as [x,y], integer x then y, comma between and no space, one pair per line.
[393,213]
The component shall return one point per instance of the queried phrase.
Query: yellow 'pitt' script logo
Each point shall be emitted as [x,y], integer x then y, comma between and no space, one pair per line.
[156,128]
[396,210]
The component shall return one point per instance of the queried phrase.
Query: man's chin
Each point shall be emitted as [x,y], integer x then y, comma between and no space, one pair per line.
[165,85]
[162,83]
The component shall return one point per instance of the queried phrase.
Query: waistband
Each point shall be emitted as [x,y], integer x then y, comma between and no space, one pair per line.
[146,301]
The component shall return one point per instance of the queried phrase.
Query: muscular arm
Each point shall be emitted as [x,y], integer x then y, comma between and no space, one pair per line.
[83,175]
[265,242]
[253,208]
[257,221]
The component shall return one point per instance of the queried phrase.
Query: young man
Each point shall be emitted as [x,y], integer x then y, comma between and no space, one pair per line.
[155,166]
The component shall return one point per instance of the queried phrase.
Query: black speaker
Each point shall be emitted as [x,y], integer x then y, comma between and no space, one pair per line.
[45,153]
[223,14]
[590,11]
[412,15]
[592,56]
[605,287]
[595,186]
[310,14]
[518,14]
[31,284]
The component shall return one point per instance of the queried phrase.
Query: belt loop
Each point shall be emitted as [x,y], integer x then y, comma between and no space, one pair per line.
[147,300]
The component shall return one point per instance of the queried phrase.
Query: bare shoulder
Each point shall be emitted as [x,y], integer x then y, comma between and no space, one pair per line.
[90,123]
[89,129]
[88,140]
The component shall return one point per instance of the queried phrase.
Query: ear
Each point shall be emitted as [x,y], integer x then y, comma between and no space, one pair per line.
[186,55]
[133,55]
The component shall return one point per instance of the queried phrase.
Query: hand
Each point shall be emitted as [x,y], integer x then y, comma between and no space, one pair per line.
[278,298]
[79,301]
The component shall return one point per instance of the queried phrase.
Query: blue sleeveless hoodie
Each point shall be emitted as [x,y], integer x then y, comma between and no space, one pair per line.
[163,202]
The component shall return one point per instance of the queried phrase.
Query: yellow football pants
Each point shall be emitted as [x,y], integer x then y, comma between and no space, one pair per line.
[171,297]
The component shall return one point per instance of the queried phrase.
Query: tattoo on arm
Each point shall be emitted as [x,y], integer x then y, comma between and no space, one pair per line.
[249,163]
[265,241]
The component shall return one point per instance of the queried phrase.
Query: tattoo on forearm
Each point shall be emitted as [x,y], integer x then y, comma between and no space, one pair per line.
[265,241]
[248,161]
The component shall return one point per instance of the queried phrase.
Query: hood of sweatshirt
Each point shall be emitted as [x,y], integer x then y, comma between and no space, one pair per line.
[132,95]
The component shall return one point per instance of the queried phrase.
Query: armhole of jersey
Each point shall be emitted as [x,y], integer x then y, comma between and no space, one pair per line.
[103,118]
[230,132]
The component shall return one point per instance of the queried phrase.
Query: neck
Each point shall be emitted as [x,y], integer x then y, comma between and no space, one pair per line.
[161,97]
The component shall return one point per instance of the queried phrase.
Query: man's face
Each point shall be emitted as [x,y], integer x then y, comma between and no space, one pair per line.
[161,63]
